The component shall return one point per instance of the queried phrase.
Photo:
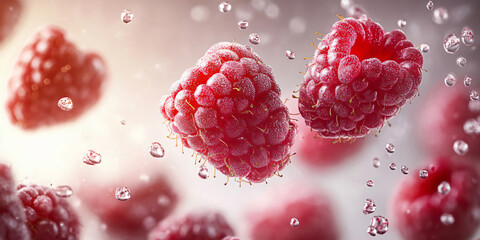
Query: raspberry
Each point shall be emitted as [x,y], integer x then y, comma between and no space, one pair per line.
[10,12]
[442,118]
[228,109]
[312,209]
[417,206]
[49,68]
[359,78]
[12,215]
[151,202]
[198,226]
[48,216]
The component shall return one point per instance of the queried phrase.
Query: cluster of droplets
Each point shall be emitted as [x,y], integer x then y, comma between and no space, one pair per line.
[460,147]
[63,191]
[156,150]
[123,193]
[65,103]
[92,158]
[378,225]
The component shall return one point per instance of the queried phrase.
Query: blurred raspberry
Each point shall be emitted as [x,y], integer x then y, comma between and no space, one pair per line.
[196,226]
[12,215]
[228,109]
[48,216]
[49,68]
[417,205]
[10,12]
[359,78]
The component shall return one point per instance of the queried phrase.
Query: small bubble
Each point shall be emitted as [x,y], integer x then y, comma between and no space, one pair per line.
[460,147]
[423,174]
[243,24]
[290,55]
[370,183]
[430,5]
[92,158]
[461,61]
[467,81]
[424,48]
[471,126]
[451,43]
[65,103]
[444,188]
[474,95]
[126,16]
[467,36]
[254,38]
[404,169]
[369,206]
[450,80]
[63,191]
[376,162]
[440,15]
[123,194]
[224,7]
[402,23]
[156,150]
[390,148]
[203,172]
[294,222]
[123,122]
[393,166]
[378,225]
[447,219]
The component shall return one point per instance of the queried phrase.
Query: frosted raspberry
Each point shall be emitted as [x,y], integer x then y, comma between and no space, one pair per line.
[228,109]
[359,78]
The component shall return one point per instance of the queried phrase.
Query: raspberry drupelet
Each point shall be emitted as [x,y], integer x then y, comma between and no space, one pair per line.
[359,78]
[228,109]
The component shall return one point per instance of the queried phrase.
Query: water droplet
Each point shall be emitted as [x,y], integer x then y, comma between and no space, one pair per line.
[402,23]
[294,222]
[126,16]
[393,166]
[467,36]
[376,162]
[92,158]
[156,150]
[451,43]
[447,219]
[123,122]
[423,174]
[471,126]
[450,80]
[474,95]
[440,15]
[224,7]
[424,48]
[404,169]
[467,81]
[430,5]
[243,24]
[461,61]
[63,191]
[203,172]
[444,188]
[370,183]
[390,148]
[290,55]
[369,206]
[123,194]
[65,103]
[254,38]
[378,225]
[460,147]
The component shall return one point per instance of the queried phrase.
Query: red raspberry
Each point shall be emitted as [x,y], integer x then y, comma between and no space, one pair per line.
[10,11]
[12,215]
[359,78]
[312,209]
[417,205]
[151,202]
[48,216]
[228,109]
[442,118]
[49,68]
[199,226]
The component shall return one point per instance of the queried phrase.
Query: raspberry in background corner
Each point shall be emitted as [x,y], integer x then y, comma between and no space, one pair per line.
[359,78]
[228,109]
[49,68]
[10,12]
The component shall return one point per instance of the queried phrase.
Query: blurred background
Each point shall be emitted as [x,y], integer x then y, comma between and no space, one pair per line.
[147,55]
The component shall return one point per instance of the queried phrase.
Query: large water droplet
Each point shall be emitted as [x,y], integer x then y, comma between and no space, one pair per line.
[447,219]
[424,48]
[429,5]
[369,206]
[376,162]
[92,158]
[224,7]
[423,174]
[65,103]
[467,81]
[63,191]
[254,38]
[378,225]
[460,147]
[444,188]
[294,222]
[402,23]
[290,55]
[156,150]
[123,194]
[450,80]
[440,15]
[243,24]
[461,62]
[474,95]
[126,16]
[451,43]
[203,172]
[467,36]
[390,148]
